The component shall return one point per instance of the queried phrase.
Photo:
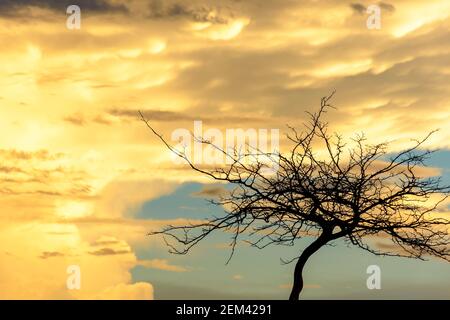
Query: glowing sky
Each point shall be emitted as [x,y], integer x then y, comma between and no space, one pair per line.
[82,180]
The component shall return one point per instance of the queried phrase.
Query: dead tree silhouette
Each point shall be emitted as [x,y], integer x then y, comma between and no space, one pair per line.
[355,193]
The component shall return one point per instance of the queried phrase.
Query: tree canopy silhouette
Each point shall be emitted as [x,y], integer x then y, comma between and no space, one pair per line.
[354,191]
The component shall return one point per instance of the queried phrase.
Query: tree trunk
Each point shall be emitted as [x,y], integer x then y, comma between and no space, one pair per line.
[308,252]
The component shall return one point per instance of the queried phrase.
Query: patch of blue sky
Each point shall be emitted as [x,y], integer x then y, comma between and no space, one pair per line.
[334,272]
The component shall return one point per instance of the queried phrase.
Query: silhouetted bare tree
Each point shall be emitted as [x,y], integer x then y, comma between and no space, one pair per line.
[354,192]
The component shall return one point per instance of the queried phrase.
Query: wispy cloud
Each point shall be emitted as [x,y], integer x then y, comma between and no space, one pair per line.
[161,264]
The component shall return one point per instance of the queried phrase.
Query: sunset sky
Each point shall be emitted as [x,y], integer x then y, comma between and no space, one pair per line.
[82,180]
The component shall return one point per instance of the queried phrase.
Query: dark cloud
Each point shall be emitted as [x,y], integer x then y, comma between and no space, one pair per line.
[102,120]
[358,8]
[171,116]
[14,7]
[10,169]
[105,242]
[161,9]
[51,254]
[386,6]
[210,191]
[59,233]
[156,115]
[361,9]
[76,119]
[109,252]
